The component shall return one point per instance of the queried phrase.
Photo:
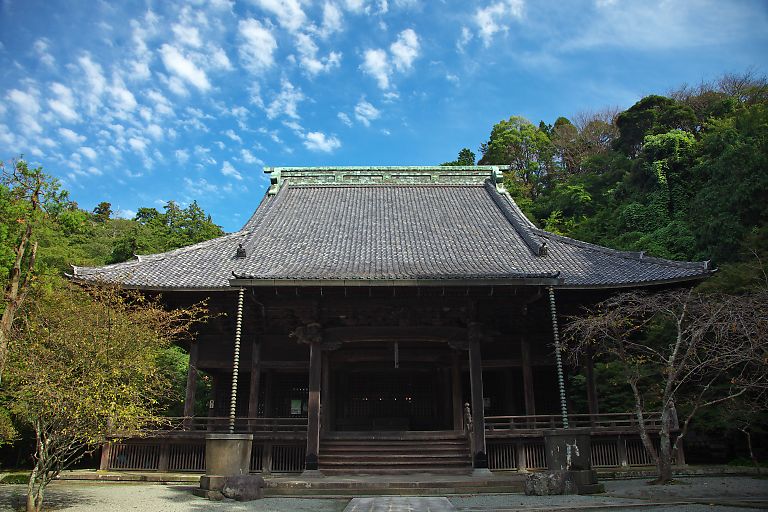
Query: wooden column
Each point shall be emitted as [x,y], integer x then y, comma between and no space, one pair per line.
[313,407]
[479,458]
[253,396]
[456,392]
[525,355]
[589,369]
[268,412]
[189,397]
[325,402]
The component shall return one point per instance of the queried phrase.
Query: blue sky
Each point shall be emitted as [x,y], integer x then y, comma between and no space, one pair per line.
[138,103]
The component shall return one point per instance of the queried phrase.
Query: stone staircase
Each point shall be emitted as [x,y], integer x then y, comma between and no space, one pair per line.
[395,453]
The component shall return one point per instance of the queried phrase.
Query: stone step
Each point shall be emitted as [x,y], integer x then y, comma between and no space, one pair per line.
[401,435]
[420,445]
[436,458]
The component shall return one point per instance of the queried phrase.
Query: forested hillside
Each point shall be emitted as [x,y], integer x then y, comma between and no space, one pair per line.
[681,176]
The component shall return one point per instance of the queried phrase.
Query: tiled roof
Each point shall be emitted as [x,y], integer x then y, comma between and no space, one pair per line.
[394,225]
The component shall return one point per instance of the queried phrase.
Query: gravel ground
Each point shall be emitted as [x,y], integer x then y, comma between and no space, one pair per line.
[715,494]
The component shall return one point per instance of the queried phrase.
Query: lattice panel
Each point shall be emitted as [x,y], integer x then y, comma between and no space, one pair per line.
[605,454]
[502,456]
[186,457]
[135,456]
[288,458]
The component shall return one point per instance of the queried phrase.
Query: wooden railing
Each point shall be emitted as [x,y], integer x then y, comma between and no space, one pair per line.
[608,421]
[242,425]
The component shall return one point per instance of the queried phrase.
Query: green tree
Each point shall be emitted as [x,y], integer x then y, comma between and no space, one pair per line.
[466,157]
[527,151]
[26,197]
[84,367]
[650,116]
[103,211]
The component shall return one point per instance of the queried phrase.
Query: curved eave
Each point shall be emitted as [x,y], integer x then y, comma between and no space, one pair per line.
[147,288]
[637,284]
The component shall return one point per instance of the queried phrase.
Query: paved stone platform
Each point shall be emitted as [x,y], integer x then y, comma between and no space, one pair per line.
[400,504]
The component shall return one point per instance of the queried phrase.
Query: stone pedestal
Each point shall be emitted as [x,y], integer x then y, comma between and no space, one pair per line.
[227,460]
[569,459]
[568,449]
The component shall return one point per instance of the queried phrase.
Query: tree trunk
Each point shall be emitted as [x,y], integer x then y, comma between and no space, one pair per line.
[751,451]
[665,458]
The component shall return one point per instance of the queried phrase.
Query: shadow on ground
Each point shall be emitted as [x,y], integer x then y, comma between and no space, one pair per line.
[182,494]
[14,497]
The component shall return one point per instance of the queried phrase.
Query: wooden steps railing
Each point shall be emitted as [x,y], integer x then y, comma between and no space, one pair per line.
[605,421]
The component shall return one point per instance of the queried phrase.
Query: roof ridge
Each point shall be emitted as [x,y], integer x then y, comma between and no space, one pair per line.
[630,255]
[513,214]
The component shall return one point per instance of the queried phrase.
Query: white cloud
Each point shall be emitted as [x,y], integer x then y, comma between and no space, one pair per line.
[289,13]
[155,131]
[182,155]
[286,102]
[232,135]
[96,84]
[64,102]
[308,56]
[41,49]
[344,118]
[490,19]
[317,141]
[176,63]
[380,65]
[187,35]
[123,99]
[257,47]
[200,187]
[28,108]
[464,39]
[161,104]
[249,157]
[138,144]
[365,112]
[89,153]
[333,20]
[228,170]
[405,49]
[71,136]
[376,64]
[124,213]
[219,60]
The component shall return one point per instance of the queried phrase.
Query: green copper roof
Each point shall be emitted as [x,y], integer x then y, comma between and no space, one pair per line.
[382,175]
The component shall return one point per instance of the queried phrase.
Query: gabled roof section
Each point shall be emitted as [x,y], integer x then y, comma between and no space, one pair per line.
[395,226]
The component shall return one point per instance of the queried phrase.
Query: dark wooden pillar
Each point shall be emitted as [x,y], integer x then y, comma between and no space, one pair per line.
[589,369]
[313,407]
[456,392]
[325,402]
[525,355]
[268,412]
[479,457]
[253,394]
[189,397]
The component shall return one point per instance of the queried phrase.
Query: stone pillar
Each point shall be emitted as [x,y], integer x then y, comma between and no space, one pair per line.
[253,396]
[480,457]
[456,392]
[525,355]
[313,407]
[189,397]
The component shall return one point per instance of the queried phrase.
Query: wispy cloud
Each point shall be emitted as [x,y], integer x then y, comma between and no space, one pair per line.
[365,112]
[257,46]
[318,141]
[381,65]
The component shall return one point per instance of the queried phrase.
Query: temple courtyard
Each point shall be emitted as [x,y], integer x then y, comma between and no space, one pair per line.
[716,494]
